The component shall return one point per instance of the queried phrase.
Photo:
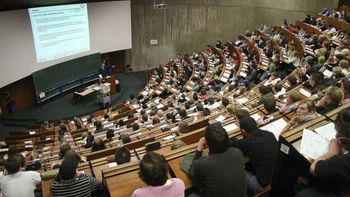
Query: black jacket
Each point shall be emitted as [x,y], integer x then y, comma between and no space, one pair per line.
[261,148]
[219,174]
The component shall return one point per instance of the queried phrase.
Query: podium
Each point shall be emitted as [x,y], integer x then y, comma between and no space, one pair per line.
[111,80]
[103,95]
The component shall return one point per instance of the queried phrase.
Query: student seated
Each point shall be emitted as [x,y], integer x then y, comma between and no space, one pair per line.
[122,155]
[269,103]
[109,135]
[292,100]
[125,138]
[305,112]
[71,183]
[331,170]
[222,172]
[154,172]
[330,101]
[14,182]
[345,85]
[261,148]
[98,145]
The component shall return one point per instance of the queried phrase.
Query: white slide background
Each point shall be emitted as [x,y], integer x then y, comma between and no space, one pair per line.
[110,30]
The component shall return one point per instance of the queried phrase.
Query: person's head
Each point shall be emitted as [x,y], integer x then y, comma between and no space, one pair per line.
[241,113]
[63,127]
[72,154]
[98,145]
[337,71]
[68,168]
[346,86]
[305,107]
[316,78]
[292,80]
[122,155]
[293,97]
[183,127]
[199,106]
[153,169]
[269,104]
[195,96]
[135,127]
[125,138]
[187,105]
[144,118]
[182,113]
[225,102]
[248,126]
[344,64]
[155,120]
[231,109]
[110,134]
[211,100]
[342,126]
[334,95]
[206,112]
[98,124]
[131,96]
[121,123]
[216,138]
[143,112]
[13,164]
[264,89]
[12,151]
[63,149]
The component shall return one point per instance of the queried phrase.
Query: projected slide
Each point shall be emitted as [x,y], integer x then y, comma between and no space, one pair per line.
[60,31]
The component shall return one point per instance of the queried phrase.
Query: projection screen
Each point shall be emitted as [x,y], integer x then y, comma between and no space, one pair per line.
[109,30]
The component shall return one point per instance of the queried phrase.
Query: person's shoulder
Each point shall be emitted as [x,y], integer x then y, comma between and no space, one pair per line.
[178,182]
[139,192]
[235,152]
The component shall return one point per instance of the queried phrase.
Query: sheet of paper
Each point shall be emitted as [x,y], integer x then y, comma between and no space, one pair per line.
[230,127]
[31,132]
[111,165]
[327,131]
[160,106]
[226,75]
[304,92]
[168,138]
[327,73]
[28,142]
[243,74]
[282,92]
[84,119]
[275,127]
[220,118]
[313,145]
[242,100]
[255,116]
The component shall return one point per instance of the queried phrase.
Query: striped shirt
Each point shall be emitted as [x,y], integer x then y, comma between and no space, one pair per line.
[82,186]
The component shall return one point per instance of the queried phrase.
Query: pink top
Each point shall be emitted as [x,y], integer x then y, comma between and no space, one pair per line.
[173,188]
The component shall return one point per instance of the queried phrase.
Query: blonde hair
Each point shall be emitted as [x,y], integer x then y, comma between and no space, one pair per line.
[344,64]
[335,95]
[294,95]
[337,71]
[231,109]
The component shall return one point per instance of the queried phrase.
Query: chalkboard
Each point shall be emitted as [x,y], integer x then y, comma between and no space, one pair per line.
[62,73]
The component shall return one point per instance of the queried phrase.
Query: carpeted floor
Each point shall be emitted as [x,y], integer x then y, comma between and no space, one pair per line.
[62,107]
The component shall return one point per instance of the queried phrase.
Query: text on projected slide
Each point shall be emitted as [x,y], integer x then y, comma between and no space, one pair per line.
[60,31]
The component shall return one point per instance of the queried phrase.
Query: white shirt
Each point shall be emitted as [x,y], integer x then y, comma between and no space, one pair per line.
[19,184]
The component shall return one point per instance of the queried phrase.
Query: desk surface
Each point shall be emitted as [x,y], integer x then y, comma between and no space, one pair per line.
[88,90]
[124,184]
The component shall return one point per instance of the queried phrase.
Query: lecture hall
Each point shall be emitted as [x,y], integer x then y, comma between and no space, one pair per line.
[174,98]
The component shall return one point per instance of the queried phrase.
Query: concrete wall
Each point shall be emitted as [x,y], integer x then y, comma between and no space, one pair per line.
[187,25]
